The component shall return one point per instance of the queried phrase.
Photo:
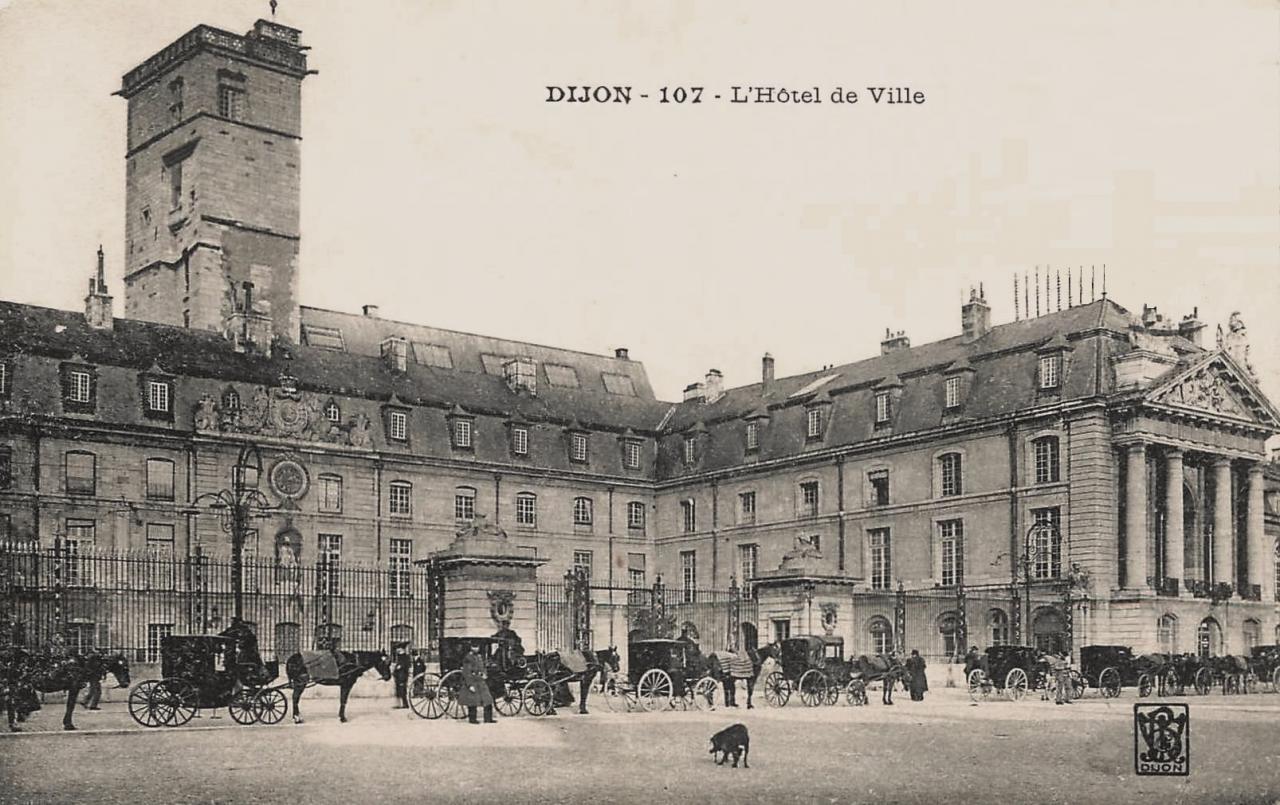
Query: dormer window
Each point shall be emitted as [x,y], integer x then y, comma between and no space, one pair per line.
[519,440]
[462,434]
[953,392]
[631,454]
[884,407]
[157,397]
[1050,366]
[578,452]
[397,425]
[753,436]
[690,449]
[79,389]
[813,423]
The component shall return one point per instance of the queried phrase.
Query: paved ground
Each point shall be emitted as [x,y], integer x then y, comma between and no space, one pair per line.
[940,750]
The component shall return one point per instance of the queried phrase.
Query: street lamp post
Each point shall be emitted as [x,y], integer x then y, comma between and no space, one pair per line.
[236,506]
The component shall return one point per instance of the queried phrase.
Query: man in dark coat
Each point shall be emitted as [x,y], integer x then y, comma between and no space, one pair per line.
[917,682]
[475,687]
[400,673]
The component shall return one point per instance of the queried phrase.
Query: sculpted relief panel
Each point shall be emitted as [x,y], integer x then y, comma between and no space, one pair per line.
[284,413]
[1207,390]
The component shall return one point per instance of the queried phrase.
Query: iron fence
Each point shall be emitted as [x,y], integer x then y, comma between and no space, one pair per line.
[130,600]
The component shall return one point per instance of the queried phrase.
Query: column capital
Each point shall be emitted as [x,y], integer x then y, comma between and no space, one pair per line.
[1221,461]
[1254,470]
[1135,447]
[1174,452]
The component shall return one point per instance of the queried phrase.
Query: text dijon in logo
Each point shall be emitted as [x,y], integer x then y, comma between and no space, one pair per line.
[1162,739]
[571,93]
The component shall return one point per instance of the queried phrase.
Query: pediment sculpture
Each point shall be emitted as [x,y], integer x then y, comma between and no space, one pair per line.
[1207,390]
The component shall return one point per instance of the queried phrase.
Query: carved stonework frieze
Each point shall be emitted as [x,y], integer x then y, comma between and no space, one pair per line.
[502,607]
[1207,390]
[285,413]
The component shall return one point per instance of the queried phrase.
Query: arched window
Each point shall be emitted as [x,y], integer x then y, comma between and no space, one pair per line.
[230,401]
[582,511]
[1047,466]
[332,412]
[1252,635]
[1167,633]
[949,628]
[998,627]
[1209,638]
[1049,629]
[328,636]
[881,635]
[464,504]
[527,510]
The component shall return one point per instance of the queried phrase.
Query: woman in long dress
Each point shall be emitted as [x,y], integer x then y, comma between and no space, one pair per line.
[917,683]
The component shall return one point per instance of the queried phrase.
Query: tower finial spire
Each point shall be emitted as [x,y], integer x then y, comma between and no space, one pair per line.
[273,8]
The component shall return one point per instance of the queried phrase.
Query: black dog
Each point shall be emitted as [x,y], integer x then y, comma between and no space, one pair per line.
[734,739]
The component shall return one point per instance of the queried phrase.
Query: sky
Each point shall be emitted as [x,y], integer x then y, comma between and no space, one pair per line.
[439,184]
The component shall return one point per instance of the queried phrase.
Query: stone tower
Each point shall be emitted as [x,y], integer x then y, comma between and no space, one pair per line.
[212,181]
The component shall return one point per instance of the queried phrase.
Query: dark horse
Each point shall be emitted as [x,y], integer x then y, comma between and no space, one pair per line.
[585,666]
[717,666]
[350,665]
[26,673]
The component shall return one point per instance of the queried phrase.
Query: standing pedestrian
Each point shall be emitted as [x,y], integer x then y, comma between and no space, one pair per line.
[475,687]
[1061,665]
[892,669]
[743,667]
[400,673]
[917,681]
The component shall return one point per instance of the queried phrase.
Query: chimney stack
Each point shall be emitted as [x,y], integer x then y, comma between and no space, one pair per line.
[1191,327]
[98,310]
[894,341]
[694,391]
[395,351]
[621,353]
[766,369]
[1150,316]
[370,311]
[714,387]
[975,315]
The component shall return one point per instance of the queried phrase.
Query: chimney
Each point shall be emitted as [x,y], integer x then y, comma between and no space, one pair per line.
[714,386]
[975,316]
[894,341]
[370,311]
[395,351]
[694,391]
[766,369]
[1150,316]
[98,311]
[1191,327]
[621,354]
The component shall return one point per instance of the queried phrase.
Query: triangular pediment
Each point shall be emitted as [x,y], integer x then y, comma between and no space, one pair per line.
[1216,385]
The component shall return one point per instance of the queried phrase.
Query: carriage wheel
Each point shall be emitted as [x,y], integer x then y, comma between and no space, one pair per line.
[536,697]
[813,688]
[1172,683]
[1144,685]
[450,684]
[1230,684]
[241,707]
[270,706]
[979,686]
[149,704]
[1109,682]
[509,702]
[1249,683]
[856,692]
[425,696]
[183,700]
[614,698]
[777,690]
[1078,685]
[1015,685]
[704,693]
[1275,680]
[833,692]
[655,690]
[1203,681]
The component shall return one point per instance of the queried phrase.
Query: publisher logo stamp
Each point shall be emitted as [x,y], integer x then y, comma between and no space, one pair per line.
[1162,740]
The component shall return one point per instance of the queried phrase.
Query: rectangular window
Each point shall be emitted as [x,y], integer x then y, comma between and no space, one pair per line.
[688,576]
[400,557]
[582,559]
[79,552]
[582,511]
[78,386]
[951,551]
[1048,371]
[816,541]
[156,634]
[160,556]
[813,423]
[881,560]
[81,471]
[809,499]
[4,378]
[689,516]
[462,434]
[952,475]
[781,629]
[397,426]
[329,559]
[636,580]
[635,515]
[520,441]
[464,505]
[1046,542]
[158,396]
[879,480]
[882,407]
[231,102]
[6,528]
[632,455]
[175,186]
[953,392]
[6,468]
[748,563]
[578,447]
[526,511]
[399,496]
[746,508]
[159,479]
[690,449]
[1046,460]
[753,436]
[175,100]
[329,493]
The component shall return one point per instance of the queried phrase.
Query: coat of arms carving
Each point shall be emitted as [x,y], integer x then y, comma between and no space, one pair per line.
[283,412]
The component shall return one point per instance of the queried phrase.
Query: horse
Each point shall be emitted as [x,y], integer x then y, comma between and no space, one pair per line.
[886,670]
[582,665]
[350,666]
[27,673]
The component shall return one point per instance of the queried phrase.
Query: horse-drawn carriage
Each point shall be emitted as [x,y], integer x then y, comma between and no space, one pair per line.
[1111,668]
[209,672]
[1011,670]
[1264,664]
[812,666]
[662,673]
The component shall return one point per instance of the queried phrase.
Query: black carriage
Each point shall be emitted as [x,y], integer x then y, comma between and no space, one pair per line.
[1010,670]
[664,673]
[1111,668]
[812,666]
[209,672]
[512,683]
[1264,665]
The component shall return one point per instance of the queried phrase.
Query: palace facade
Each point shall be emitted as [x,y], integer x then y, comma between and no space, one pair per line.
[1119,452]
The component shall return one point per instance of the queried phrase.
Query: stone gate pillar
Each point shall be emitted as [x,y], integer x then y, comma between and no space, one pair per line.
[488,585]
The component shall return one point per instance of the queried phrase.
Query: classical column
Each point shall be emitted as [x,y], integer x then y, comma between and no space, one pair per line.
[1135,519]
[1223,561]
[1173,528]
[1261,569]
